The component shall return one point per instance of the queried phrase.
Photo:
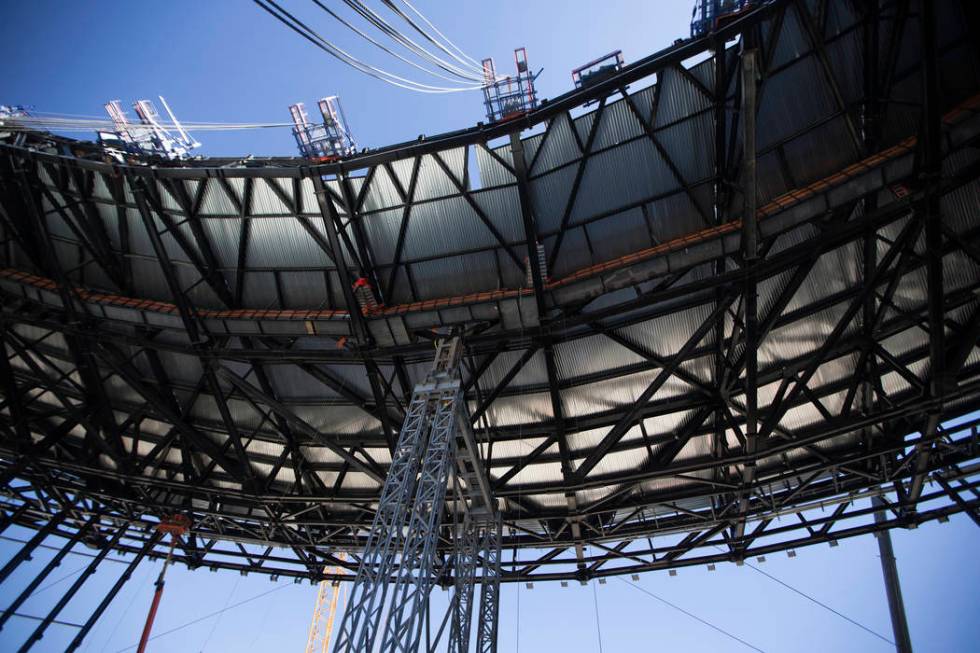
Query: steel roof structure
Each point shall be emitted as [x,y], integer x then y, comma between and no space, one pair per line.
[186,337]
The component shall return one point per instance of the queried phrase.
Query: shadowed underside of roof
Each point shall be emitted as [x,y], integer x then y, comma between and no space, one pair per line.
[186,338]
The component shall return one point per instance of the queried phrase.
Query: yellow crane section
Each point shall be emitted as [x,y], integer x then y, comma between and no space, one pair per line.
[327,601]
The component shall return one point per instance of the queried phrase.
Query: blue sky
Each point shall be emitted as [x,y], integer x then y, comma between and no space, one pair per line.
[225,60]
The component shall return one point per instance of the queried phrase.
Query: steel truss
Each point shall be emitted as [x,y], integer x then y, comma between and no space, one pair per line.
[78,524]
[802,490]
[401,549]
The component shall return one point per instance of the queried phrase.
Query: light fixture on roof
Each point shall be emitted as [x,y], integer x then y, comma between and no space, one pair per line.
[323,142]
[149,136]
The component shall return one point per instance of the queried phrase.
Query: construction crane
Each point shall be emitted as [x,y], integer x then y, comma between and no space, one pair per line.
[328,596]
[174,526]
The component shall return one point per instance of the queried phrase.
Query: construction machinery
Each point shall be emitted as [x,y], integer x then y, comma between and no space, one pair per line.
[329,598]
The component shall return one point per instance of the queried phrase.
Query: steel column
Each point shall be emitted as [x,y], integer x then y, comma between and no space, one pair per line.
[467,550]
[408,516]
[486,634]
[893,587]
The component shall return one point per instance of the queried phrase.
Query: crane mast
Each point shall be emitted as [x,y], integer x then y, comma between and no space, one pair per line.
[327,600]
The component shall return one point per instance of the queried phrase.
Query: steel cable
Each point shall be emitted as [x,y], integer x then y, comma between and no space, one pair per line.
[372,17]
[313,37]
[383,47]
[693,616]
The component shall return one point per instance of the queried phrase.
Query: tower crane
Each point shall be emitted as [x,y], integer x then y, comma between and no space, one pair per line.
[327,599]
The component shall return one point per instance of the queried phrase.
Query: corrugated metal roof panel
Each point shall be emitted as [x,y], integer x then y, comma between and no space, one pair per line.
[283,243]
[820,152]
[590,355]
[432,181]
[224,235]
[549,195]
[503,208]
[491,172]
[215,200]
[615,393]
[679,97]
[615,178]
[381,193]
[666,335]
[618,235]
[455,275]
[382,230]
[616,124]
[521,409]
[792,100]
[450,225]
[792,42]
[690,144]
[558,147]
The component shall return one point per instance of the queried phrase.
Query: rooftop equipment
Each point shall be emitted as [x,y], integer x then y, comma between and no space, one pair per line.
[709,15]
[598,70]
[329,141]
[509,97]
[149,136]
[8,117]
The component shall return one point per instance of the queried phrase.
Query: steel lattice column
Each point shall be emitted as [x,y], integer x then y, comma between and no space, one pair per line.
[371,584]
[486,635]
[415,572]
[419,469]
[468,539]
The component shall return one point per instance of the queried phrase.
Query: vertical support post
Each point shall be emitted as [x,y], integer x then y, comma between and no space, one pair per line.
[869,126]
[719,205]
[931,170]
[367,596]
[750,249]
[900,627]
[359,328]
[929,213]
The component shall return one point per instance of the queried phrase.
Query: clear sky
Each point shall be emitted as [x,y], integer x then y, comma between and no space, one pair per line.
[226,60]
